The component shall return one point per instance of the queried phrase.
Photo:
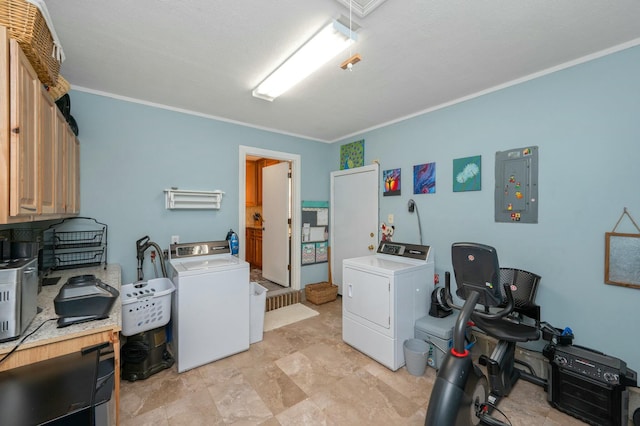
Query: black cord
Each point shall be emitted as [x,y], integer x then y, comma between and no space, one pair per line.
[25,338]
[488,419]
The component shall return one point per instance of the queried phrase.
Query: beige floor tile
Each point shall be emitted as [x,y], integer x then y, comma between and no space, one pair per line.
[304,374]
[304,413]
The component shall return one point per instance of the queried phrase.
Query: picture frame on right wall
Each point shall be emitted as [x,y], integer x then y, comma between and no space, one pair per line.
[467,174]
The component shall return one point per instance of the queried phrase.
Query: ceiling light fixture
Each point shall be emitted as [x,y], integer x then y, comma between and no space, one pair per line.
[322,47]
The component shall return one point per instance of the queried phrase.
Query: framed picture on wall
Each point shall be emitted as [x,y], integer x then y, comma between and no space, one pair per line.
[352,155]
[424,178]
[622,259]
[391,182]
[467,174]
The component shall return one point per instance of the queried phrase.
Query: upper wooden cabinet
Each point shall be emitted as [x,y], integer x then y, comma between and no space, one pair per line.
[251,196]
[71,174]
[49,155]
[253,184]
[25,98]
[39,155]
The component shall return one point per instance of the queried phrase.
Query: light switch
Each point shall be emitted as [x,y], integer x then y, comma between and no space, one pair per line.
[390,219]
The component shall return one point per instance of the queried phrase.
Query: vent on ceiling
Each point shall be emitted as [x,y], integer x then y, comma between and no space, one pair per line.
[361,7]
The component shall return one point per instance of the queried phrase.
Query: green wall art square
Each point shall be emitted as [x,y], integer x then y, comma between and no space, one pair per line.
[467,174]
[352,155]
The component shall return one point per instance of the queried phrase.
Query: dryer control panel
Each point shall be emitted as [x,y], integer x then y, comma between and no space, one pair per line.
[205,248]
[412,251]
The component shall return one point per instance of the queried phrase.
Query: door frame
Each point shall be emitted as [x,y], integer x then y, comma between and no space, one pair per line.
[296,212]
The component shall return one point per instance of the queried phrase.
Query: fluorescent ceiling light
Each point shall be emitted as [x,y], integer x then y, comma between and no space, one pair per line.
[326,44]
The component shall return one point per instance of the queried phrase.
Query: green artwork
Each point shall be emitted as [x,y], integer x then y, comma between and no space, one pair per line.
[352,155]
[467,174]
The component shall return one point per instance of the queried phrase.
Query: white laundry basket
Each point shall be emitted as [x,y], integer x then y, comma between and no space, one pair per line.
[146,305]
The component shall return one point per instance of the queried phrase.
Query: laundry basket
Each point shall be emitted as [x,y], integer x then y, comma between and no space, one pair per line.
[146,305]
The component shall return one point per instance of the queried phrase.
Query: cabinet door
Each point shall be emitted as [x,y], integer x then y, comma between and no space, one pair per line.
[249,254]
[49,153]
[258,248]
[250,185]
[25,93]
[72,175]
[60,162]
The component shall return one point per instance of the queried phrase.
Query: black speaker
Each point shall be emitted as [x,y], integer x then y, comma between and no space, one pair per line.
[590,385]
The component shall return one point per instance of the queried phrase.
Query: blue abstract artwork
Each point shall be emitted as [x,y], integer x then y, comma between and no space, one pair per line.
[424,178]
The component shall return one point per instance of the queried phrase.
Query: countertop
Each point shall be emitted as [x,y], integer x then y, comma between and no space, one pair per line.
[50,332]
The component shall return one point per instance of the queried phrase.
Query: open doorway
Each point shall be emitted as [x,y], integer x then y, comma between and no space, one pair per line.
[249,222]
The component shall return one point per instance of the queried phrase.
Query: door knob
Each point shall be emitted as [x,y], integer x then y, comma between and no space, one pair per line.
[370,247]
[371,235]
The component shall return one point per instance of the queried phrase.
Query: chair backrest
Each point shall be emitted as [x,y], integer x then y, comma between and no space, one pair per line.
[476,269]
[523,284]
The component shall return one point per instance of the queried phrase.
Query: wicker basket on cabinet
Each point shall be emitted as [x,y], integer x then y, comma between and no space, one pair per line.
[60,89]
[28,27]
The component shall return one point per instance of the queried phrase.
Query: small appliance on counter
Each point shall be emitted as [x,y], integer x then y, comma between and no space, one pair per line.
[19,301]
[84,298]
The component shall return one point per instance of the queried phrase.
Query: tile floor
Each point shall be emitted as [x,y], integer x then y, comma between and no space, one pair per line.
[303,374]
[272,288]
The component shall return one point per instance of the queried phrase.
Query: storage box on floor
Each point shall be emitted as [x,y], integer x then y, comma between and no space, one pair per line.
[437,332]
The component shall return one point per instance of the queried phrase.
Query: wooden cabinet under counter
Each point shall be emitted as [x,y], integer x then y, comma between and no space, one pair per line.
[253,252]
[49,341]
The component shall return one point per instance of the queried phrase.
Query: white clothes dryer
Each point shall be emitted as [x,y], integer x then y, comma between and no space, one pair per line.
[210,307]
[382,297]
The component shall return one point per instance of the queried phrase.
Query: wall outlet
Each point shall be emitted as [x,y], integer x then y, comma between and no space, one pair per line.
[175,239]
[390,219]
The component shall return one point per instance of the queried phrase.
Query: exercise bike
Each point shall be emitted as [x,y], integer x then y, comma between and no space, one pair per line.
[462,394]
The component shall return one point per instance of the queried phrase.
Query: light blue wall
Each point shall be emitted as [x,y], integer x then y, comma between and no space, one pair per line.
[131,152]
[586,122]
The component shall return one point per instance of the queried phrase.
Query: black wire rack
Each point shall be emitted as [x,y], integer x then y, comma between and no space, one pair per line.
[74,243]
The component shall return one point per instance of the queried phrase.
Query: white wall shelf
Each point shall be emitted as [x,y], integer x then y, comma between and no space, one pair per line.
[176,199]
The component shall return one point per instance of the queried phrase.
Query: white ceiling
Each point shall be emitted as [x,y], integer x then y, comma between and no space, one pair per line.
[206,56]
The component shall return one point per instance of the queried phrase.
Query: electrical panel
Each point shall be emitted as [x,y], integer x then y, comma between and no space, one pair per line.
[516,192]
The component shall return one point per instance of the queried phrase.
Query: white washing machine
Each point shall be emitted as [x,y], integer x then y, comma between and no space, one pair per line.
[382,297]
[210,307]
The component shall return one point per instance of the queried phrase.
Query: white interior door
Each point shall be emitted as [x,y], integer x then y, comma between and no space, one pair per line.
[275,228]
[354,216]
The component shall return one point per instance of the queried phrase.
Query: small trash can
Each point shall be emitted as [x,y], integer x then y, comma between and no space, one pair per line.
[415,356]
[257,308]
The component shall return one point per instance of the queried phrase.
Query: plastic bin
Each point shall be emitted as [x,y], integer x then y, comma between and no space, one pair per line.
[146,305]
[415,356]
[257,308]
[438,332]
